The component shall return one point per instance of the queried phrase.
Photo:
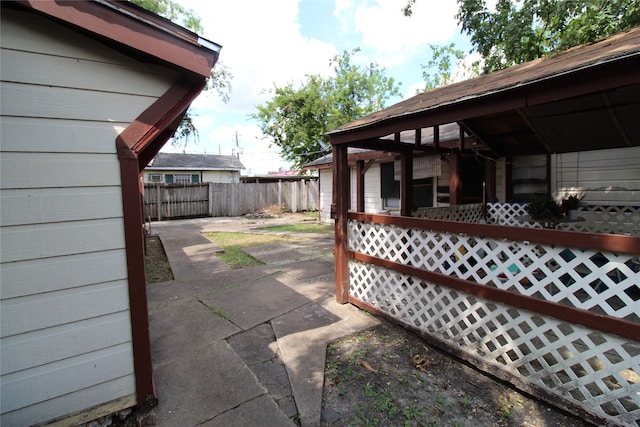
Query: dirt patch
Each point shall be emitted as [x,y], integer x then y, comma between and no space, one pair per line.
[388,376]
[156,263]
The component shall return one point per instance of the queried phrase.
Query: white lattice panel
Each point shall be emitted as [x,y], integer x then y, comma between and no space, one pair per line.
[597,219]
[598,371]
[506,214]
[608,219]
[599,281]
[461,213]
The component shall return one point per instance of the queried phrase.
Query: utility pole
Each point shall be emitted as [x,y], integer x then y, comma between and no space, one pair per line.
[237,146]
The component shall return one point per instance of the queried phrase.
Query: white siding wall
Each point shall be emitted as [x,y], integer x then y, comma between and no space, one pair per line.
[607,177]
[218,177]
[65,322]
[221,177]
[372,197]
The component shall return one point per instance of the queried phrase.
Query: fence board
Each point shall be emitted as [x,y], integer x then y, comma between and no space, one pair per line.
[172,201]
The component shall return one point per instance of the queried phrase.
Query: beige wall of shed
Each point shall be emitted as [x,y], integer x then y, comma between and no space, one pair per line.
[65,321]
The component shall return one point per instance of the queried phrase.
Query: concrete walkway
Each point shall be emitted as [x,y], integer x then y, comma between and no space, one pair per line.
[244,347]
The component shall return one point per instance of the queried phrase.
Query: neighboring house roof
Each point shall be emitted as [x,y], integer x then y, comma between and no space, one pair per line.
[448,136]
[585,98]
[180,161]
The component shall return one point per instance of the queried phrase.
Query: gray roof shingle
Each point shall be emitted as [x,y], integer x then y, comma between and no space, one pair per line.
[195,162]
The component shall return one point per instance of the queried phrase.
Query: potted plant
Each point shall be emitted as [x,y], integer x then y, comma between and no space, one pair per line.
[546,211]
[571,204]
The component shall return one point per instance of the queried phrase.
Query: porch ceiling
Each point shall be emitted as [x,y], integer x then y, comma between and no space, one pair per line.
[586,98]
[589,122]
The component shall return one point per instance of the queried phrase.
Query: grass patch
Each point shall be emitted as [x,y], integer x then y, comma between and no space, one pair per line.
[312,214]
[303,227]
[235,258]
[243,240]
[234,243]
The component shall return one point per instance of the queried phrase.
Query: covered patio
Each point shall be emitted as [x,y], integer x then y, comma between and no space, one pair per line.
[553,311]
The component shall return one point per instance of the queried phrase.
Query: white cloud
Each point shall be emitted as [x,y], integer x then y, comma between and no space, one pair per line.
[394,37]
[262,45]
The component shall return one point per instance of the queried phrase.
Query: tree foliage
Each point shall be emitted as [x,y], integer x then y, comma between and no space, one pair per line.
[297,119]
[522,30]
[447,66]
[221,77]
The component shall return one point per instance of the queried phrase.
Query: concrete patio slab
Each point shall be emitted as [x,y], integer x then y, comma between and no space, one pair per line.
[257,412]
[244,347]
[307,269]
[303,335]
[248,305]
[199,385]
[184,324]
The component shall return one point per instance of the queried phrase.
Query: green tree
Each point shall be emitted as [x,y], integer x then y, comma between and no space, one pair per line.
[297,119]
[446,66]
[522,30]
[519,31]
[221,77]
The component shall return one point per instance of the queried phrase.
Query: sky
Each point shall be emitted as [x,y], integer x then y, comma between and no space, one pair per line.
[273,43]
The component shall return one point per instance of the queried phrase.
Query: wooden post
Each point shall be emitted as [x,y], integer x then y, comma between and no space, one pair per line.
[360,185]
[210,196]
[406,183]
[490,180]
[454,179]
[341,197]
[159,201]
[294,196]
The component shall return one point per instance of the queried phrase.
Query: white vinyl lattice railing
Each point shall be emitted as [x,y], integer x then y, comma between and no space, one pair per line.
[596,371]
[603,282]
[594,218]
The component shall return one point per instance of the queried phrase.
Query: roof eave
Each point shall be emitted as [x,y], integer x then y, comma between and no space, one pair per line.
[128,25]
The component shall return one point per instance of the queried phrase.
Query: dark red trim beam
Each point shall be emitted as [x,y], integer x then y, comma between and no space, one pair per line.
[121,24]
[136,145]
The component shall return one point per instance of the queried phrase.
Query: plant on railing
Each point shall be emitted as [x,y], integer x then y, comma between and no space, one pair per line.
[545,210]
[571,204]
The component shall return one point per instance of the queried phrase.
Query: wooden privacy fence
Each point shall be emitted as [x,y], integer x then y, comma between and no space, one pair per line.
[172,201]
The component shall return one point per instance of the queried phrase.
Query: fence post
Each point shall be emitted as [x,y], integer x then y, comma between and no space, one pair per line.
[280,193]
[159,202]
[294,197]
[305,196]
[210,198]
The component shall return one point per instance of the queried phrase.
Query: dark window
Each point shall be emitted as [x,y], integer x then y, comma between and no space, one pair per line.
[390,188]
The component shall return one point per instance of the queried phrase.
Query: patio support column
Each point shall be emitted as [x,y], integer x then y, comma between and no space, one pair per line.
[360,185]
[454,179]
[490,180]
[342,194]
[406,183]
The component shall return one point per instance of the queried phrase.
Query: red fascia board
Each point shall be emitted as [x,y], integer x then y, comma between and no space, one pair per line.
[144,130]
[168,45]
[136,146]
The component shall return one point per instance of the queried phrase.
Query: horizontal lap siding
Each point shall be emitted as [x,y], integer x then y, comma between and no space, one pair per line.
[608,177]
[372,194]
[65,321]
[326,191]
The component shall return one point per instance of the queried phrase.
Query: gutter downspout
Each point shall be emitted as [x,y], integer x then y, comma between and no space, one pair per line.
[136,146]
